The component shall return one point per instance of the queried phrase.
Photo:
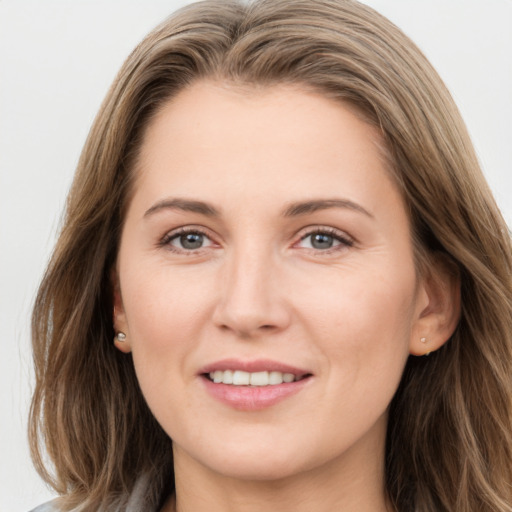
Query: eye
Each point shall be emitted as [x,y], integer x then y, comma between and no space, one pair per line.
[325,240]
[186,240]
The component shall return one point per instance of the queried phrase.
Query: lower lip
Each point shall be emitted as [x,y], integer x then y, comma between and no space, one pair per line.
[253,398]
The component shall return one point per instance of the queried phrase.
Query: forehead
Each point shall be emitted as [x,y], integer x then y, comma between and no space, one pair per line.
[254,143]
[226,104]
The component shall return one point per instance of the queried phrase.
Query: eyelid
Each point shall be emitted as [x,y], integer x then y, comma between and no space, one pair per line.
[346,240]
[165,241]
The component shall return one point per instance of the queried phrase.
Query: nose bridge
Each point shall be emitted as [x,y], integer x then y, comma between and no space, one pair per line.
[250,300]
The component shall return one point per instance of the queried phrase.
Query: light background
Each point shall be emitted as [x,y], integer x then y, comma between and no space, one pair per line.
[57,59]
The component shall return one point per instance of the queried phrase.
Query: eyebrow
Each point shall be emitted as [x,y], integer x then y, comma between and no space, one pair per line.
[186,205]
[307,207]
[293,210]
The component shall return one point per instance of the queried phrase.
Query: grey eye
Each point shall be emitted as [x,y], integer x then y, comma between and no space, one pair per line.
[191,241]
[321,241]
[187,241]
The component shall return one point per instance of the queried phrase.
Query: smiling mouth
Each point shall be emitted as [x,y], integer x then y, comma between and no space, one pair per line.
[256,379]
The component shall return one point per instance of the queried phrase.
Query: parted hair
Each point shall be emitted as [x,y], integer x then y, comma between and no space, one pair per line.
[449,445]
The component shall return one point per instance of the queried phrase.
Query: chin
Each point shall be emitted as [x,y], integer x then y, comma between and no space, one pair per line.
[250,461]
[258,470]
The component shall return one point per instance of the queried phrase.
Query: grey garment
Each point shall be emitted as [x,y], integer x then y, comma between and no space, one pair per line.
[141,499]
[46,507]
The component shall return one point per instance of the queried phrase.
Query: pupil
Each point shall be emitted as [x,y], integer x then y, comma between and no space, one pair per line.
[191,240]
[321,241]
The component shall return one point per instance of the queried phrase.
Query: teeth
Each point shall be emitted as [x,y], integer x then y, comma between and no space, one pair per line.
[275,378]
[259,379]
[241,378]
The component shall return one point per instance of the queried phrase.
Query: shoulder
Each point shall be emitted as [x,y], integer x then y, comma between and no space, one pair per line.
[50,506]
[140,499]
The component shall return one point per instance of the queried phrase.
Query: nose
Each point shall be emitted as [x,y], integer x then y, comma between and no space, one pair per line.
[252,300]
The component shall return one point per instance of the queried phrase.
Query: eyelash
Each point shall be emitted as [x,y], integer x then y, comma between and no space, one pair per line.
[173,235]
[344,240]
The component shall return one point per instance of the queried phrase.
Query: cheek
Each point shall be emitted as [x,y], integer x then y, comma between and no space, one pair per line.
[163,314]
[165,311]
[374,304]
[362,325]
[158,293]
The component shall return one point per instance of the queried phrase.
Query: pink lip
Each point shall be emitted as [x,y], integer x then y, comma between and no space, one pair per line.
[258,365]
[253,398]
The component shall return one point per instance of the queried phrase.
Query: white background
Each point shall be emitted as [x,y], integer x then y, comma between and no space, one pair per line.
[57,59]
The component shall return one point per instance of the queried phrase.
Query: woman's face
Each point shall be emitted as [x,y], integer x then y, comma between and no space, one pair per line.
[266,241]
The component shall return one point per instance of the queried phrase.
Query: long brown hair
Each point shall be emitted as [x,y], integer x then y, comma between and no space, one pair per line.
[449,441]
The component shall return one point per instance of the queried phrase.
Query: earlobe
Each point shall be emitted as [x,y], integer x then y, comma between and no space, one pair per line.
[121,340]
[439,312]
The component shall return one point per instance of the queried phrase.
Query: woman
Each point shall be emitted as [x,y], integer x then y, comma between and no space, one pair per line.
[277,211]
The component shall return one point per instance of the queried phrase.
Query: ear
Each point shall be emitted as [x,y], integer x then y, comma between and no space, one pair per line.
[438,306]
[119,316]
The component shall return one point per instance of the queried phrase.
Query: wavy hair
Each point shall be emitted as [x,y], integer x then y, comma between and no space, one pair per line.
[449,443]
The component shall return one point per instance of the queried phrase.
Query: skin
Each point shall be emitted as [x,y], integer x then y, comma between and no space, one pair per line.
[258,287]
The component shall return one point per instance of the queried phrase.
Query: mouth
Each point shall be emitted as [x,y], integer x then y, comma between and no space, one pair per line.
[253,385]
[254,379]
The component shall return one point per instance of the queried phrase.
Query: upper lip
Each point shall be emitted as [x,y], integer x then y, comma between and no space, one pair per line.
[256,365]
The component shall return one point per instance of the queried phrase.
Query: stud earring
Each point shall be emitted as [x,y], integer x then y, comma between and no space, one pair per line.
[424,340]
[120,336]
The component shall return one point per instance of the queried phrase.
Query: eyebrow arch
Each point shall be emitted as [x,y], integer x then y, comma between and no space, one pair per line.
[306,207]
[294,209]
[186,205]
